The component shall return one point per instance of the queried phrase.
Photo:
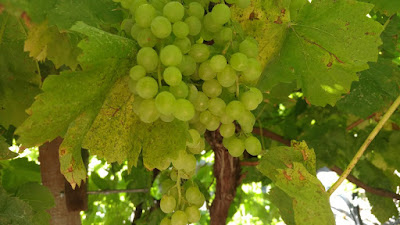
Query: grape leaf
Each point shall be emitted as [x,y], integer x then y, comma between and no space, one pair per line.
[388,7]
[64,14]
[377,87]
[45,41]
[18,172]
[284,203]
[292,169]
[382,208]
[5,153]
[391,37]
[19,81]
[325,45]
[14,211]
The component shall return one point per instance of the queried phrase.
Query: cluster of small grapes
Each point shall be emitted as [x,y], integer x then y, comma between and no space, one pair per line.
[182,203]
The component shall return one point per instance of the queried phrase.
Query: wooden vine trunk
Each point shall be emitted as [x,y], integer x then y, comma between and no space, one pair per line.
[227,174]
[55,181]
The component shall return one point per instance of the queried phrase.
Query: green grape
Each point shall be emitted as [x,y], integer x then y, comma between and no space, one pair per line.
[196,118]
[199,148]
[137,72]
[218,63]
[146,38]
[212,88]
[201,102]
[144,14]
[193,92]
[180,91]
[235,146]
[126,25]
[194,196]
[167,118]
[216,106]
[184,110]
[148,112]
[205,117]
[167,204]
[165,221]
[180,29]
[167,184]
[251,98]
[235,109]
[253,71]
[249,48]
[170,55]
[232,89]
[196,9]
[179,218]
[253,145]
[183,44]
[195,136]
[210,24]
[227,130]
[226,119]
[213,124]
[247,121]
[135,31]
[199,52]
[224,35]
[201,128]
[147,87]
[221,13]
[243,3]
[206,35]
[194,25]
[205,71]
[185,161]
[238,61]
[172,76]
[126,3]
[161,27]
[165,102]
[135,4]
[193,214]
[188,66]
[174,11]
[227,77]
[148,58]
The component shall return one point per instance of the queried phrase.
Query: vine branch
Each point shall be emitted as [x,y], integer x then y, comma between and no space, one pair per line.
[107,192]
[364,146]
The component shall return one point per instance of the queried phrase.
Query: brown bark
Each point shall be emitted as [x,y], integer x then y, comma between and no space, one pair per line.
[55,181]
[227,174]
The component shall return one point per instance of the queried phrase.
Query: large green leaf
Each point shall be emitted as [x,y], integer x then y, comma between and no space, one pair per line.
[19,171]
[388,7]
[292,169]
[14,211]
[19,80]
[326,44]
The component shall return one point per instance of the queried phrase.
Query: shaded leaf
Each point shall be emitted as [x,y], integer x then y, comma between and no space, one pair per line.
[5,153]
[388,7]
[14,211]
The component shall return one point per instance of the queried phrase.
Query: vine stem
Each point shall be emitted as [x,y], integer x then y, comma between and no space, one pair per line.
[364,146]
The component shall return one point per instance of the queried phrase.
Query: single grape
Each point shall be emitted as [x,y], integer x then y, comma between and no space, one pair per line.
[243,3]
[193,214]
[196,9]
[195,138]
[147,87]
[135,4]
[212,88]
[172,76]
[224,35]
[165,102]
[167,118]
[205,71]
[227,130]
[235,109]
[183,44]
[206,35]
[253,145]
[216,106]
[227,77]
[199,148]
[205,117]
[225,118]
[174,11]
[167,204]
[161,27]
[148,58]
[201,102]
[253,71]
[184,161]
[213,124]
[194,25]
[148,112]
[201,128]
[165,221]
[193,92]
[179,218]
[235,147]
[221,13]
[170,55]
[180,91]
[180,29]
[126,25]
[144,15]
[146,38]
[251,98]
[247,121]
[194,196]
[210,24]
[137,72]
[199,52]
[249,48]
[238,61]
[135,31]
[218,63]
[184,110]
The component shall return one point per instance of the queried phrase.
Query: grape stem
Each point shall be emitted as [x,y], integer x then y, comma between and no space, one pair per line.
[364,146]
